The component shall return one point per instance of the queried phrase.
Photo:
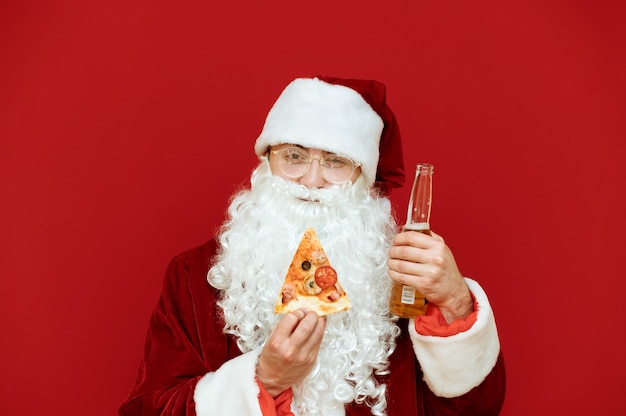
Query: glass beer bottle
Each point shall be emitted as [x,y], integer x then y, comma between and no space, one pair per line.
[405,301]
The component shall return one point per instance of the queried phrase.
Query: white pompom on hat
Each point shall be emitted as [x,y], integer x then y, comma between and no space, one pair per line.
[336,115]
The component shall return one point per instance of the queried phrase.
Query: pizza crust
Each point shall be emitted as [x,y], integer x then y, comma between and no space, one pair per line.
[312,303]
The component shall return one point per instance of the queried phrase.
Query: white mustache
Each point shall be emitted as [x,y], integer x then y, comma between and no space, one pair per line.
[327,196]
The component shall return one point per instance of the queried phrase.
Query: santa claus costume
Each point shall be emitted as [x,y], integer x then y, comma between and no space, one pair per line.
[217,306]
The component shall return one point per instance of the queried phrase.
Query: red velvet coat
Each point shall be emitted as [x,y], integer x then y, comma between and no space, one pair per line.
[185,342]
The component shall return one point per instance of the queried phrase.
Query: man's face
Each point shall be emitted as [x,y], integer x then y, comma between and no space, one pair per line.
[321,169]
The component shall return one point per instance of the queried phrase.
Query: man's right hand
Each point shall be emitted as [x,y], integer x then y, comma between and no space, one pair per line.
[291,350]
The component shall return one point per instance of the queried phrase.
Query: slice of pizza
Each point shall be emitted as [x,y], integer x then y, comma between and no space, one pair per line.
[311,282]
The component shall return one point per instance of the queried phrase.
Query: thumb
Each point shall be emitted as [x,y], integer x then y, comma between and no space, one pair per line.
[436,236]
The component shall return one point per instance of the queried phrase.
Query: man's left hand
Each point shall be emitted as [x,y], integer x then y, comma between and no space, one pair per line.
[426,263]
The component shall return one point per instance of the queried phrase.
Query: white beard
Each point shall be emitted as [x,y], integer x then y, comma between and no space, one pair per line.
[257,244]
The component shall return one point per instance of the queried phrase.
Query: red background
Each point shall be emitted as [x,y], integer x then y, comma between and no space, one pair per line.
[125,125]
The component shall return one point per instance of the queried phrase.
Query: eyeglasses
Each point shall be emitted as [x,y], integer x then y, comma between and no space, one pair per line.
[295,163]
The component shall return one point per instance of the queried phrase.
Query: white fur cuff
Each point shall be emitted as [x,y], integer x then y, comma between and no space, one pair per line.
[454,365]
[231,390]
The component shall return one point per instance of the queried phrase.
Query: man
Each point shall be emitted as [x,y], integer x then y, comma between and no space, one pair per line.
[218,348]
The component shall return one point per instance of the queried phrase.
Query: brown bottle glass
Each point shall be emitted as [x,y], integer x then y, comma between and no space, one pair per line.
[405,301]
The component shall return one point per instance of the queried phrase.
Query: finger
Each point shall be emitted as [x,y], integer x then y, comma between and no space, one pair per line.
[312,343]
[411,273]
[410,254]
[406,267]
[412,238]
[318,331]
[305,328]
[289,323]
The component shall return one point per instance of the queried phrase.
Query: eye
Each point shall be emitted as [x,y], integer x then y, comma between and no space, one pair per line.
[336,161]
[296,156]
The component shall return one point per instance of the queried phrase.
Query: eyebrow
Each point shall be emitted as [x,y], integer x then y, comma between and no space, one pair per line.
[326,152]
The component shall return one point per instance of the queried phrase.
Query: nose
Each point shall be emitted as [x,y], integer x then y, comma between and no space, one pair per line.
[313,177]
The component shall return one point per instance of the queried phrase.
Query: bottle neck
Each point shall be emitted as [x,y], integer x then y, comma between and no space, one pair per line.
[421,197]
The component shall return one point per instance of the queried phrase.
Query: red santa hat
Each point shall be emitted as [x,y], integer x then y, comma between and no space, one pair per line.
[345,116]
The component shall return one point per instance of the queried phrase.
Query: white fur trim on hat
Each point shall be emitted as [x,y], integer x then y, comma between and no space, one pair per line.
[315,114]
[454,365]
